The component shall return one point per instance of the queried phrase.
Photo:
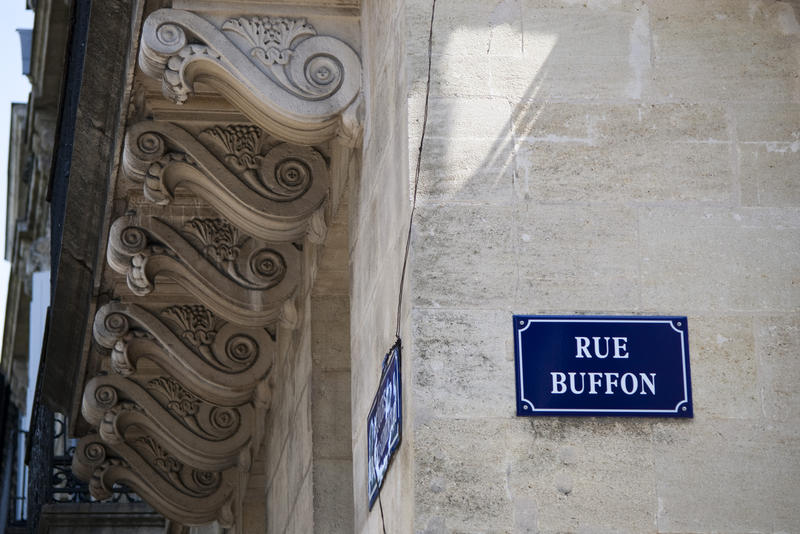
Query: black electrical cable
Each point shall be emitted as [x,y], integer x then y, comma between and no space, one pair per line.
[380,504]
[417,171]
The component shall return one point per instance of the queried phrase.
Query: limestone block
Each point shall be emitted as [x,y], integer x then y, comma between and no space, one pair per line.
[696,259]
[333,483]
[302,518]
[376,324]
[418,21]
[330,343]
[699,53]
[475,28]
[362,514]
[776,123]
[583,474]
[460,476]
[612,154]
[278,425]
[778,350]
[299,447]
[302,376]
[456,76]
[570,42]
[278,500]
[580,29]
[466,170]
[331,414]
[580,259]
[769,174]
[334,255]
[384,204]
[727,476]
[463,365]
[333,282]
[454,267]
[769,153]
[724,367]
[481,118]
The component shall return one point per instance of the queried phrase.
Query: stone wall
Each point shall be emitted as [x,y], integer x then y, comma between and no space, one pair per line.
[378,229]
[597,157]
[330,384]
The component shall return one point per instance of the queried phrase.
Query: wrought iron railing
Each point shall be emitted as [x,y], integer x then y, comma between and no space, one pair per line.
[49,473]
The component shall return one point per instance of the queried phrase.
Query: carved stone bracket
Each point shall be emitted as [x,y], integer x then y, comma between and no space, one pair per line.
[270,194]
[221,362]
[279,72]
[215,255]
[206,436]
[179,491]
[239,277]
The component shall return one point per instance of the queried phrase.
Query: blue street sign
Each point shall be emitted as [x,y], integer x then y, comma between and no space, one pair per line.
[384,423]
[585,365]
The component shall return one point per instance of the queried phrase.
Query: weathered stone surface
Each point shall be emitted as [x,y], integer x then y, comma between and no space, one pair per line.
[462,363]
[584,474]
[333,495]
[726,475]
[380,214]
[752,253]
[768,149]
[458,118]
[637,132]
[614,154]
[577,259]
[463,256]
[330,344]
[331,409]
[777,341]
[699,53]
[470,171]
[724,367]
[460,476]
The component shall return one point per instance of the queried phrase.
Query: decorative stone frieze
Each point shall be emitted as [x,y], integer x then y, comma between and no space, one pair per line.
[241,278]
[300,86]
[269,192]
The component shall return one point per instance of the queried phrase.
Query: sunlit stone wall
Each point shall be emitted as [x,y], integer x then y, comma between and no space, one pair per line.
[593,157]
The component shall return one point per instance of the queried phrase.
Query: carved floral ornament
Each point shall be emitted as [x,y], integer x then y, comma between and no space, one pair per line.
[300,86]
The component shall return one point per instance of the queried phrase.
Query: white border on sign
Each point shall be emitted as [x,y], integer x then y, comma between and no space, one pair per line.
[589,410]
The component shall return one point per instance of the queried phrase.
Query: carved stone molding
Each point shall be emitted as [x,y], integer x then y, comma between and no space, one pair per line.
[268,193]
[179,491]
[221,362]
[300,86]
[243,279]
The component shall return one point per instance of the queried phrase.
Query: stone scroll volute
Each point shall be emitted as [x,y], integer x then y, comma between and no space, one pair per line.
[279,72]
[269,192]
[243,279]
